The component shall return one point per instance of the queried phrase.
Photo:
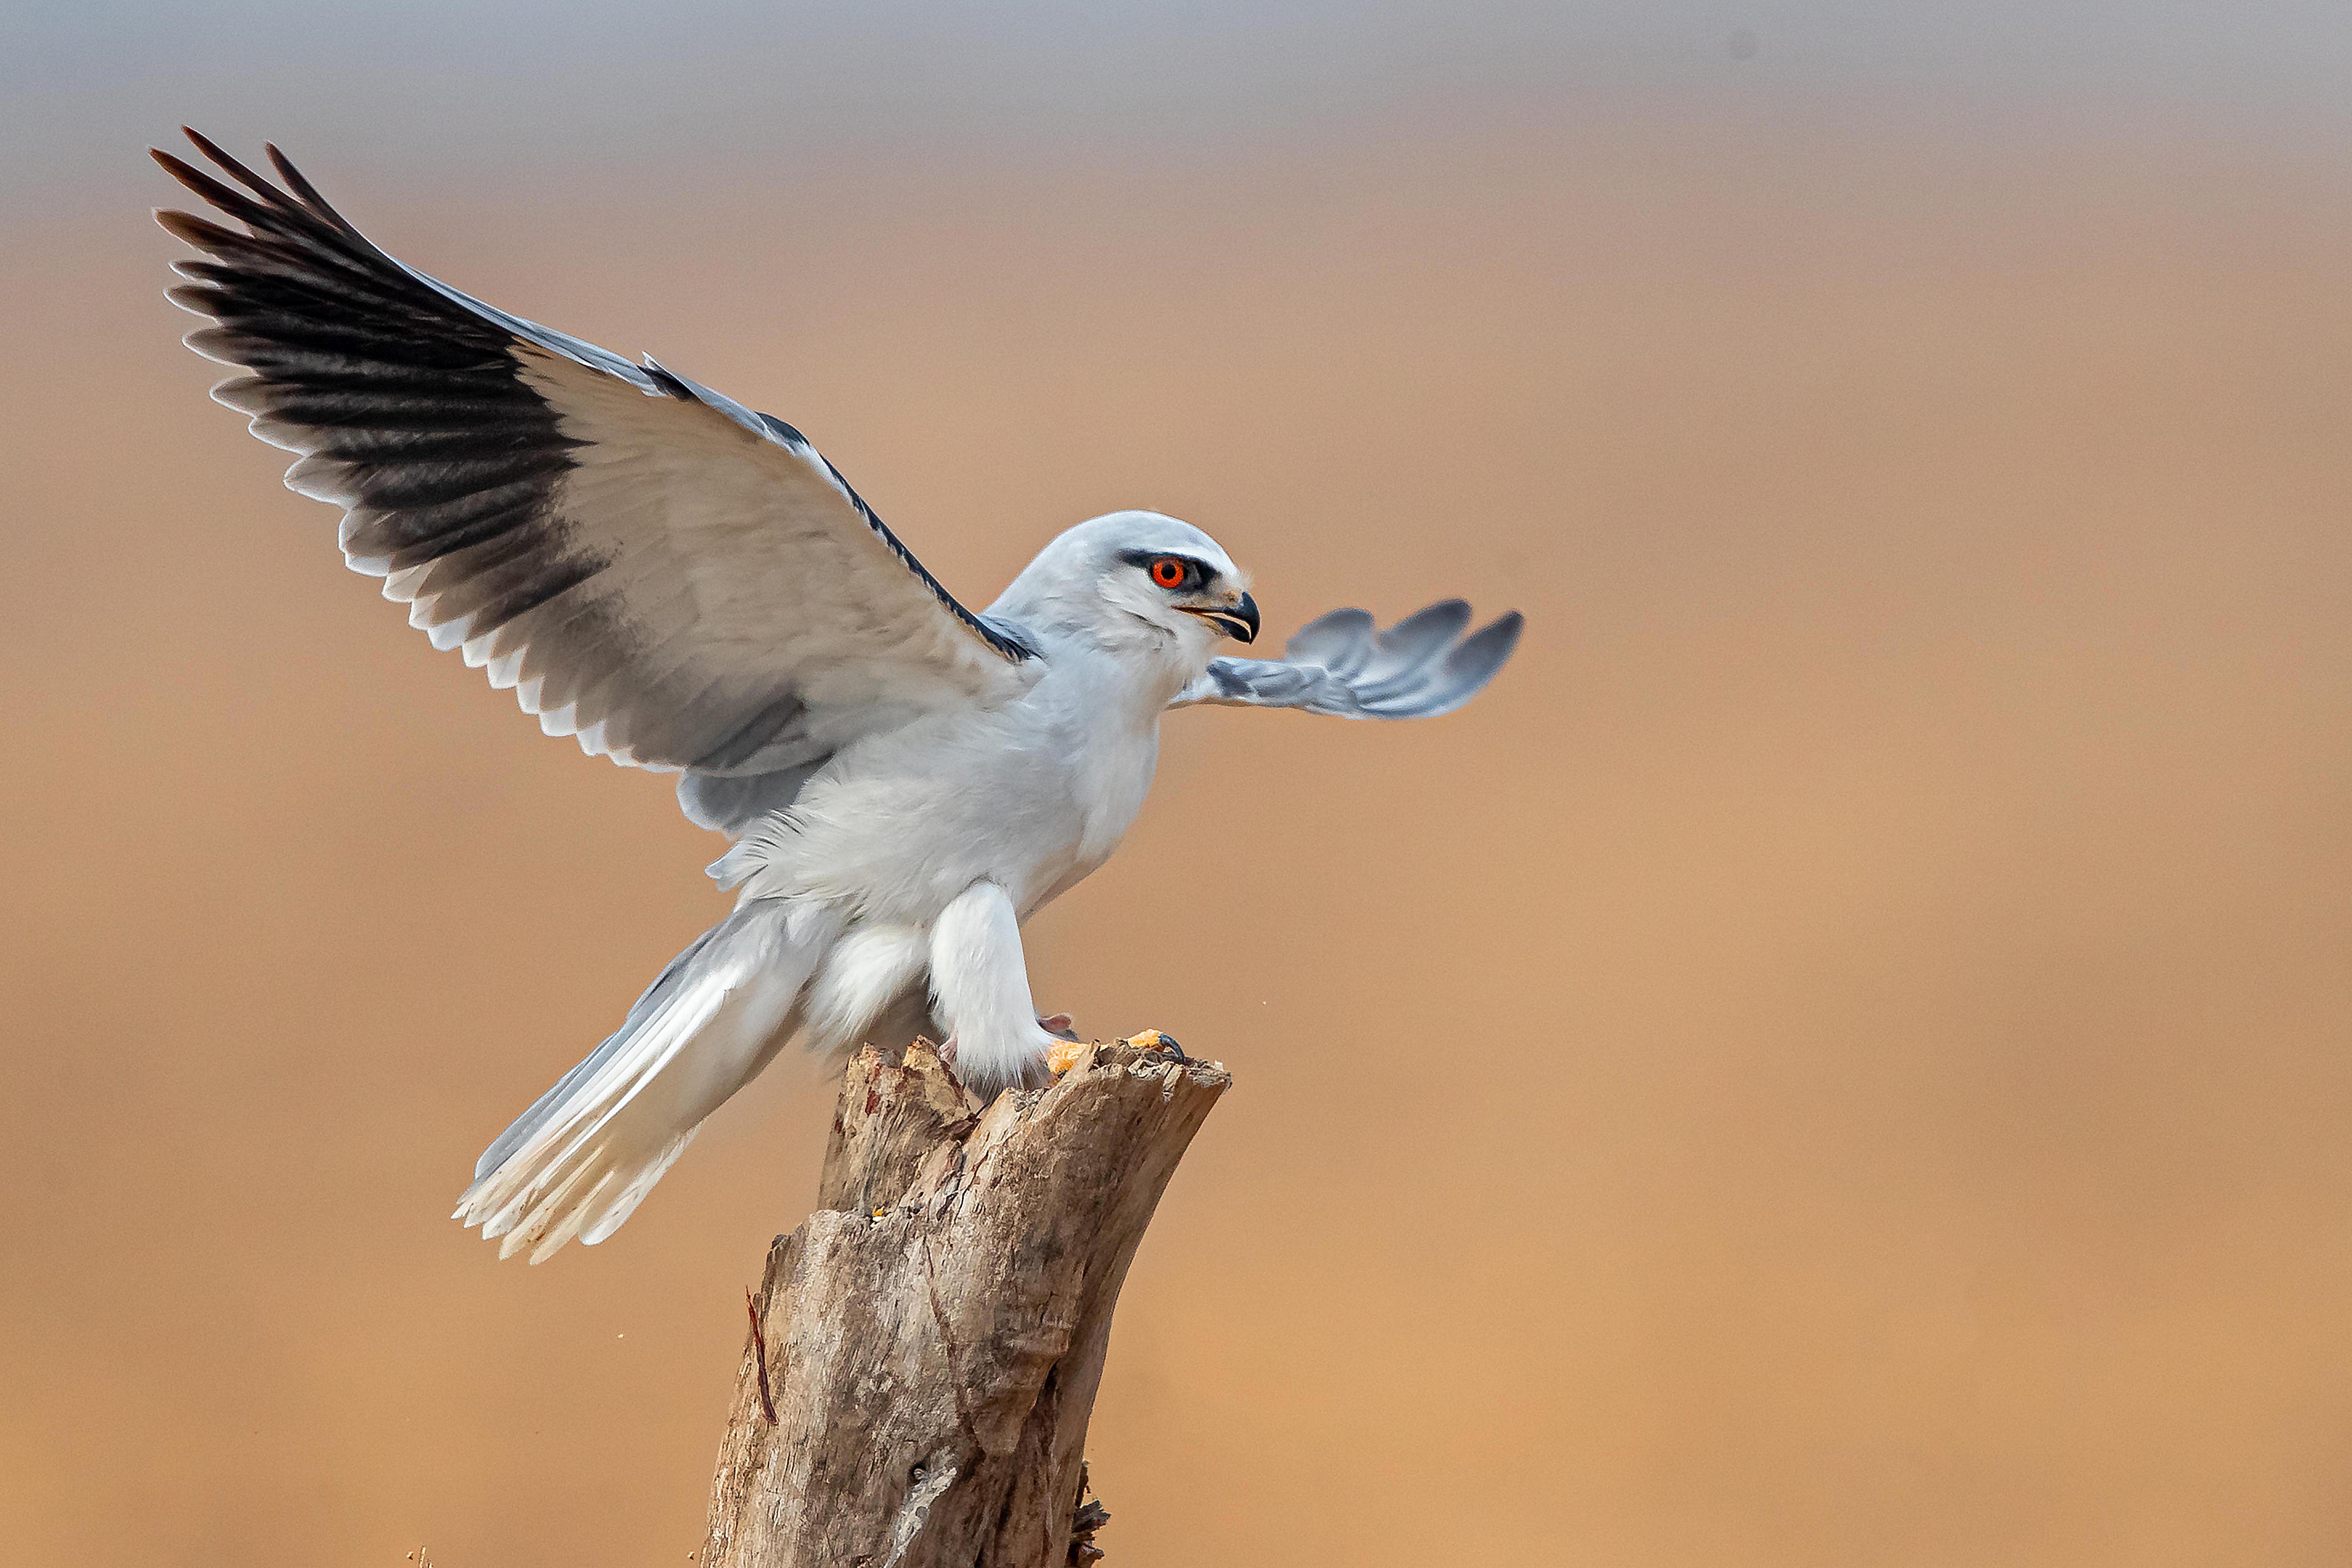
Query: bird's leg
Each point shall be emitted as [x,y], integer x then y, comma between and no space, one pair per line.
[1058,1025]
[979,991]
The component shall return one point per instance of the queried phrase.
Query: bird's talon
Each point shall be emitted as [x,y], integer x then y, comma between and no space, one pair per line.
[1058,1025]
[1157,1040]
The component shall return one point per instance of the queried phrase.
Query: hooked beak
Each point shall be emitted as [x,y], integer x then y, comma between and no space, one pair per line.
[1238,622]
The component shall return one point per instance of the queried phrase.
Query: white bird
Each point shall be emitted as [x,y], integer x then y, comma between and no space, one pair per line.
[684,585]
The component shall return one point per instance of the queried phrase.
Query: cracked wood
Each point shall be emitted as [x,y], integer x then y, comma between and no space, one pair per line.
[934,1333]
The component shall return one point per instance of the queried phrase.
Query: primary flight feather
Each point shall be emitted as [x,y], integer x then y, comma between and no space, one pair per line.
[685,585]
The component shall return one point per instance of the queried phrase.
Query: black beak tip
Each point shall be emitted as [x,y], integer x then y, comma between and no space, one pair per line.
[1241,621]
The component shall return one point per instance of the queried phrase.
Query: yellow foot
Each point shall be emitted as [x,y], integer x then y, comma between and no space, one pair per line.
[1156,1040]
[1061,1056]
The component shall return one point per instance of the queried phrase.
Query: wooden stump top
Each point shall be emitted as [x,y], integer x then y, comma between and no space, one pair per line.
[933,1335]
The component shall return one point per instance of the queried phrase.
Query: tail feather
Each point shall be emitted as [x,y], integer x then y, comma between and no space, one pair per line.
[579,1161]
[541,1109]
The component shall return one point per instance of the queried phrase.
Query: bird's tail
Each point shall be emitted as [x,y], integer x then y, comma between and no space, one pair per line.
[580,1160]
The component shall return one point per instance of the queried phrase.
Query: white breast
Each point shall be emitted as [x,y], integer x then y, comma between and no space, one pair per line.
[1033,796]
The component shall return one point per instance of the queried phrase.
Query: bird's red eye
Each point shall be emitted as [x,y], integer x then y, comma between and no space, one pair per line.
[1168,571]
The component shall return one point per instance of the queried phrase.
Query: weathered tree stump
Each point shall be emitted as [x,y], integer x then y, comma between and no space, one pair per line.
[926,1347]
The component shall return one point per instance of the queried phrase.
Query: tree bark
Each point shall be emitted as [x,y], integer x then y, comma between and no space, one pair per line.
[925,1349]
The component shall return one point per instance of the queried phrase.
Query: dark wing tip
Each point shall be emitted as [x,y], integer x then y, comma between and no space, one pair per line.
[245,209]
[308,193]
[179,169]
[1491,644]
[201,233]
[1432,626]
[296,211]
[1445,682]
[1479,657]
[230,166]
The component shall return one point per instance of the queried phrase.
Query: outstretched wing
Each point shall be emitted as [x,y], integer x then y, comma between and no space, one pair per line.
[1338,663]
[676,581]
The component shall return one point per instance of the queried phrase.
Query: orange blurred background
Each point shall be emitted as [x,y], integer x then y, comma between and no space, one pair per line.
[1840,1057]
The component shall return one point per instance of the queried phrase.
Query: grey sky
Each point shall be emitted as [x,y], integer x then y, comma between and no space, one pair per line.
[503,90]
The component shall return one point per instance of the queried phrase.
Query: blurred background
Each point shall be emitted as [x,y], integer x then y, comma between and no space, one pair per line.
[1839,1058]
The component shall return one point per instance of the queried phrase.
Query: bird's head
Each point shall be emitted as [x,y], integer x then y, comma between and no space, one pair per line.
[1138,577]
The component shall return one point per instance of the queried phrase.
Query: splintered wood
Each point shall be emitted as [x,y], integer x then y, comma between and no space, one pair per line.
[933,1337]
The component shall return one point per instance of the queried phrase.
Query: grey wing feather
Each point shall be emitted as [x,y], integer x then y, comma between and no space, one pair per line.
[1339,664]
[653,568]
